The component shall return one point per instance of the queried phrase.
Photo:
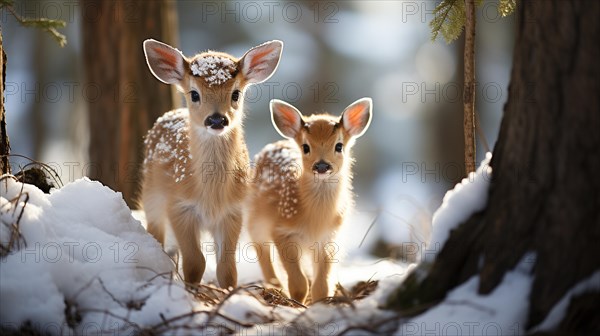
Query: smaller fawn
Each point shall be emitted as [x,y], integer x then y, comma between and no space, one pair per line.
[303,190]
[196,158]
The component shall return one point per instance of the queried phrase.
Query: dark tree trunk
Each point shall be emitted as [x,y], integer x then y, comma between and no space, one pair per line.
[545,190]
[4,143]
[129,98]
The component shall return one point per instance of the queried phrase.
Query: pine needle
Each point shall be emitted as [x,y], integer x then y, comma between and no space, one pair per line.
[448,20]
[506,7]
[449,17]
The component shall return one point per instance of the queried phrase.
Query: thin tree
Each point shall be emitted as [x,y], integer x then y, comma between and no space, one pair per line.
[469,87]
[4,141]
[545,190]
[450,17]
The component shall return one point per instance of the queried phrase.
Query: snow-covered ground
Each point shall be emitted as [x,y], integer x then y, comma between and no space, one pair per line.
[81,262]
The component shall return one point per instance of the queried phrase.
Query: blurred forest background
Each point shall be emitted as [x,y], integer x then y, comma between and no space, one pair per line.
[78,107]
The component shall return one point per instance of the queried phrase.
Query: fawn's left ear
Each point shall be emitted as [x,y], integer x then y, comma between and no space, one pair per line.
[286,118]
[357,117]
[165,62]
[259,63]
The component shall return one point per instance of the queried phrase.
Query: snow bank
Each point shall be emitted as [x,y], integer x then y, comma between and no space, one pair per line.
[82,254]
[465,312]
[89,267]
[557,314]
[467,197]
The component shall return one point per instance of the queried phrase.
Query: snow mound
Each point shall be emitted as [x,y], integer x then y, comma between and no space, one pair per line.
[80,254]
[84,265]
[468,197]
[465,312]
[558,312]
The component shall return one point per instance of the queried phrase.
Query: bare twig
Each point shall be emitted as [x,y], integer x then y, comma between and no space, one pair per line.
[370,227]
[53,173]
[480,133]
[16,239]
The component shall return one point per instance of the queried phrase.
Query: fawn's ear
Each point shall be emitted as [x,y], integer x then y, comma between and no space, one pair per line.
[286,118]
[165,62]
[357,117]
[259,63]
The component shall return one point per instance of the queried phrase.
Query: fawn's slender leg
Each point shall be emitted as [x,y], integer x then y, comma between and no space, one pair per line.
[226,237]
[325,258]
[291,255]
[266,263]
[157,230]
[185,226]
[154,208]
[259,230]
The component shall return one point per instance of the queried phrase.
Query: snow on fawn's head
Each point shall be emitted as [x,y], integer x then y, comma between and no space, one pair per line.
[324,140]
[213,82]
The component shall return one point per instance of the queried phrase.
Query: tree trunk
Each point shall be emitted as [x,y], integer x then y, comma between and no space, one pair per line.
[469,87]
[545,190]
[123,97]
[4,143]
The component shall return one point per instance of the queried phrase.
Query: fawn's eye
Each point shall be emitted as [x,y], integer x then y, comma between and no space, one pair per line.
[235,96]
[338,147]
[306,149]
[195,96]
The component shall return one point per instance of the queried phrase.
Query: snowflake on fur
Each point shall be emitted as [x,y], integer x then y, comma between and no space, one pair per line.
[215,70]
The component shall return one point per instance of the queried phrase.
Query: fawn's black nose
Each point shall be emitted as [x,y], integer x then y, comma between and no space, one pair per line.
[216,121]
[321,167]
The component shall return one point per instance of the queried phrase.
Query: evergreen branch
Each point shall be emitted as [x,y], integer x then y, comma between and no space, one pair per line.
[448,19]
[44,24]
[506,7]
[440,15]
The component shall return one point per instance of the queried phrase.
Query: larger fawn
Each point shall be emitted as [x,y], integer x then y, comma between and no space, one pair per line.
[196,157]
[302,192]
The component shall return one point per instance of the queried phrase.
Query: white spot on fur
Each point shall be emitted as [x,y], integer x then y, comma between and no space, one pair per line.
[281,167]
[168,141]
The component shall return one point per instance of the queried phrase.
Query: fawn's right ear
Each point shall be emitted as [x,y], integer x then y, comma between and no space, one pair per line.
[286,118]
[165,62]
[260,62]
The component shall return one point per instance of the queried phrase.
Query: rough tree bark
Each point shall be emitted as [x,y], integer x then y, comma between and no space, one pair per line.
[125,99]
[4,143]
[545,191]
[469,87]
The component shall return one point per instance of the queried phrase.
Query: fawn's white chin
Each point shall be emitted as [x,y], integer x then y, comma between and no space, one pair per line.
[216,131]
[322,176]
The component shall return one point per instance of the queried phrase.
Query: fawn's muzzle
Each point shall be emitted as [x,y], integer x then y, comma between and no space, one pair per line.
[216,121]
[321,167]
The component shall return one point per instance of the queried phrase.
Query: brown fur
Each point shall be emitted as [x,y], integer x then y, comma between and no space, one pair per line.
[290,206]
[193,179]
